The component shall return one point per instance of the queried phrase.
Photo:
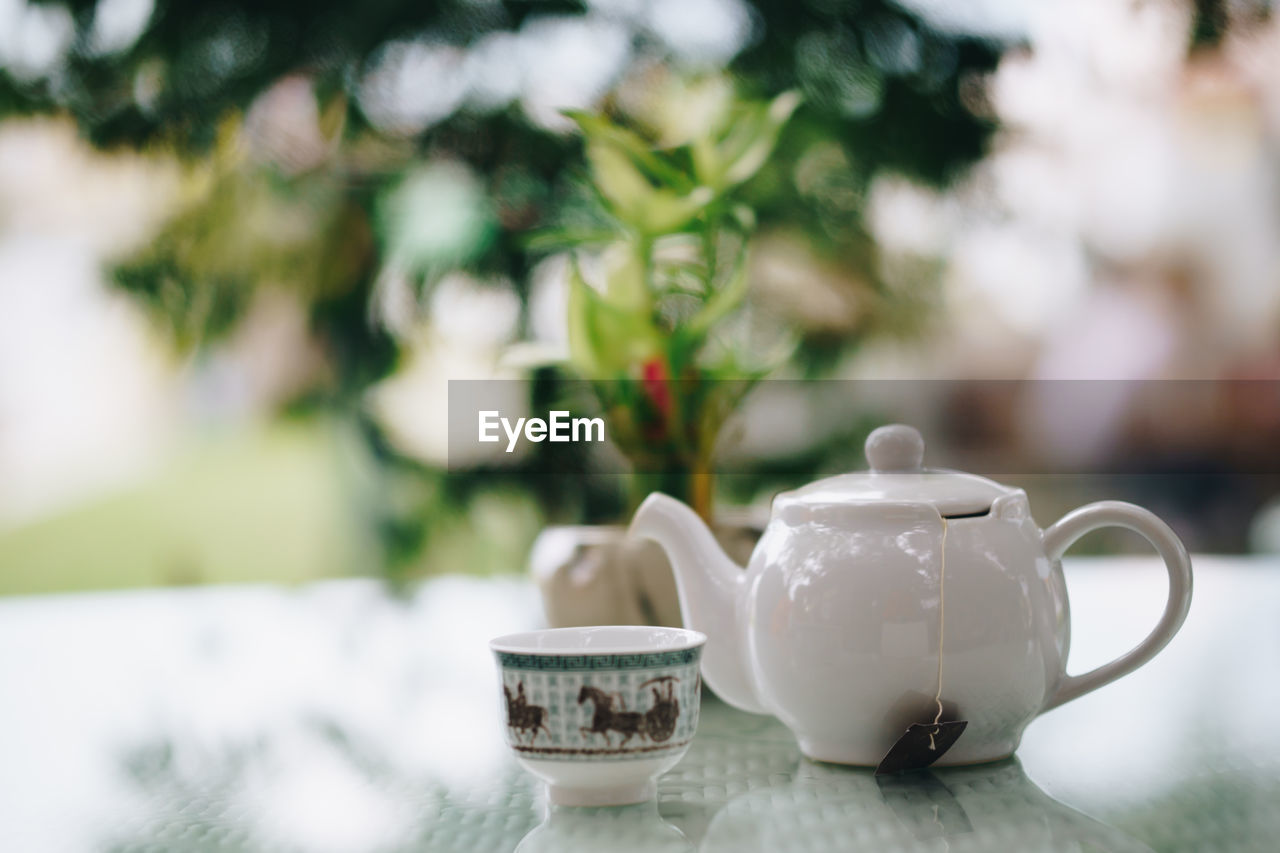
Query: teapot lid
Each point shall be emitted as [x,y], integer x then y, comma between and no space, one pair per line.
[896,455]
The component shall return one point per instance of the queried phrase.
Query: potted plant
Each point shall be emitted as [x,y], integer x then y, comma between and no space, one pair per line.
[647,333]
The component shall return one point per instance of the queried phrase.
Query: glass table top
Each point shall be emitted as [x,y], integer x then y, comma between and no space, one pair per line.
[334,717]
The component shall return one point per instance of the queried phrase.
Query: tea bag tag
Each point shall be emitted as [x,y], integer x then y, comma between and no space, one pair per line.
[920,746]
[925,743]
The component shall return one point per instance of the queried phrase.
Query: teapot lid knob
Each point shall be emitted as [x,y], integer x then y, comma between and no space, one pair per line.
[896,447]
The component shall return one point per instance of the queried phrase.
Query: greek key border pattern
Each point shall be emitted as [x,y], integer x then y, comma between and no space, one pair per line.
[589,663]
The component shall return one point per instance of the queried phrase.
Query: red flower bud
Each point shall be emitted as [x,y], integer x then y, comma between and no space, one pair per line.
[657,384]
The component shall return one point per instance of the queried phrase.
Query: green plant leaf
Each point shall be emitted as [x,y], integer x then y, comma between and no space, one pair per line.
[745,145]
[605,340]
[722,302]
[553,239]
[766,126]
[647,209]
[626,284]
[622,185]
[581,351]
[667,212]
[599,129]
[745,217]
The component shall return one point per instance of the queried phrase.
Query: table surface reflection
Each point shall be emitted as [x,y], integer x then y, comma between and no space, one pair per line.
[335,717]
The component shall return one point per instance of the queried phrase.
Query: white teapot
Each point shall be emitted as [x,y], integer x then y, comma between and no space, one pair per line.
[876,598]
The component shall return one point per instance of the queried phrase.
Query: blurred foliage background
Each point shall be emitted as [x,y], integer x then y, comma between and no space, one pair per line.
[244,247]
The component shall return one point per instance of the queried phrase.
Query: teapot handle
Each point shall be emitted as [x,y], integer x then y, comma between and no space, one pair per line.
[1073,525]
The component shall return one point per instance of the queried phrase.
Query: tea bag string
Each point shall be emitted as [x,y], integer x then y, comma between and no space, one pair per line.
[942,625]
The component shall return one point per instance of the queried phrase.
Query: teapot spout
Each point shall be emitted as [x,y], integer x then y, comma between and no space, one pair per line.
[712,592]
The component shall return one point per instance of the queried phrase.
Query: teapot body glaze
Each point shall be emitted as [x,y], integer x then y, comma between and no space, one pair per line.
[873,597]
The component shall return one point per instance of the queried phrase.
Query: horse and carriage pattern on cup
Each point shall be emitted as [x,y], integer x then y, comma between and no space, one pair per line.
[600,706]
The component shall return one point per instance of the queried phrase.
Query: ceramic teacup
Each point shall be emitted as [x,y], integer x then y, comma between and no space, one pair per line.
[599,713]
